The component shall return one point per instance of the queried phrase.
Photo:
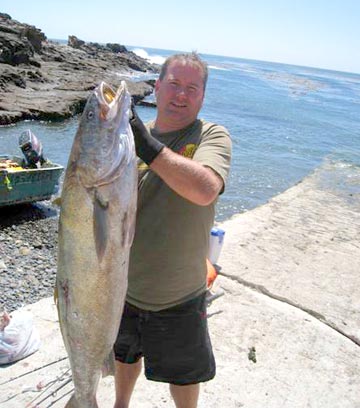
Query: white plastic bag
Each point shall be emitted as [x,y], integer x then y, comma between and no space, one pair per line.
[19,338]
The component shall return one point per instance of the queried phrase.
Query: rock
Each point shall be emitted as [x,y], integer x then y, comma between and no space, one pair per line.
[61,76]
[14,51]
[10,77]
[116,47]
[37,244]
[3,266]
[34,265]
[18,42]
[24,251]
[5,16]
[75,42]
[9,117]
[35,37]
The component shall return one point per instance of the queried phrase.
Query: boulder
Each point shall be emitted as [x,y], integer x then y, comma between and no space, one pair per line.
[34,36]
[18,42]
[116,47]
[74,42]
[14,49]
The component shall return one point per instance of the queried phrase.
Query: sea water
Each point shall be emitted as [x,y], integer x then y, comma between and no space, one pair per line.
[284,122]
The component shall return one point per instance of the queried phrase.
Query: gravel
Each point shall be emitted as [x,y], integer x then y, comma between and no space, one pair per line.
[28,254]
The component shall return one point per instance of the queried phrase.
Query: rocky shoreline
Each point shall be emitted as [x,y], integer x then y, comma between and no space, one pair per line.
[28,253]
[45,80]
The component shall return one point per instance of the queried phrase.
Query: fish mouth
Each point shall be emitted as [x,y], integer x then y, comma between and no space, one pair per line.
[105,147]
[109,100]
[107,92]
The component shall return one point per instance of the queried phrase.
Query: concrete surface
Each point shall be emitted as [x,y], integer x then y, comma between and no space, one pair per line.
[286,332]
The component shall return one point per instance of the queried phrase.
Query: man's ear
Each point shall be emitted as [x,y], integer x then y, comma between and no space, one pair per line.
[157,85]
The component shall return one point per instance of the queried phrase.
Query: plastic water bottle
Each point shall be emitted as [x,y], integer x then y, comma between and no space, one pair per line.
[215,244]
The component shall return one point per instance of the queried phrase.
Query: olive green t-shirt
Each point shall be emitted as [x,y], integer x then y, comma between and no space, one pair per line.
[168,255]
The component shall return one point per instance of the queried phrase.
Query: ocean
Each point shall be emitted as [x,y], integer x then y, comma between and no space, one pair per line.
[284,120]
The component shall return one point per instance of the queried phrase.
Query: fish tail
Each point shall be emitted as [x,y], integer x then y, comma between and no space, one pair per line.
[74,403]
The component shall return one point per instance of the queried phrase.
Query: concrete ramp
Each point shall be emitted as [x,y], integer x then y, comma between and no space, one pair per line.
[286,332]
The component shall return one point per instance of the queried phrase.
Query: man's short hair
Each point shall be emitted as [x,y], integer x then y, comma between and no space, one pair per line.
[192,58]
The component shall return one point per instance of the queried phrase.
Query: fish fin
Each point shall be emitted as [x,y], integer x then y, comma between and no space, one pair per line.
[101,204]
[109,365]
[101,197]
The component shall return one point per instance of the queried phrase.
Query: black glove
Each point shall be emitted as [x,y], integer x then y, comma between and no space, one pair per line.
[147,147]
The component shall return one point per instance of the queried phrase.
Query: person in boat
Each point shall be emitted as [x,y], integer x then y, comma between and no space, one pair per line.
[183,166]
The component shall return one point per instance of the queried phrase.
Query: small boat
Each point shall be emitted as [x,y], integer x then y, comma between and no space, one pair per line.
[19,184]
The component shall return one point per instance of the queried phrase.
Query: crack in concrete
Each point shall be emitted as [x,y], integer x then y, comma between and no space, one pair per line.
[263,290]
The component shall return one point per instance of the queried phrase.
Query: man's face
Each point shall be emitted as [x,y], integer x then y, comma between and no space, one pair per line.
[179,96]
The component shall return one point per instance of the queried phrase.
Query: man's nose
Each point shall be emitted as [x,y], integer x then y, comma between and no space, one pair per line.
[181,91]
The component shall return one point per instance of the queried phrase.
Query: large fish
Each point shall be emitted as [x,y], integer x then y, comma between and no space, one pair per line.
[96,228]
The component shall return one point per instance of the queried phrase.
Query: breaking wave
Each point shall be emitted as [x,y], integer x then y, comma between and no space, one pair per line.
[154,59]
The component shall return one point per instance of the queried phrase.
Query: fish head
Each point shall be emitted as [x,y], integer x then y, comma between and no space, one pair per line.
[104,141]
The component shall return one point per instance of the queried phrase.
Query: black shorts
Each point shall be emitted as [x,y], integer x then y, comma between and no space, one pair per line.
[174,342]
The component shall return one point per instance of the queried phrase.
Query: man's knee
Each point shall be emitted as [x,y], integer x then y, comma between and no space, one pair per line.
[185,396]
[125,380]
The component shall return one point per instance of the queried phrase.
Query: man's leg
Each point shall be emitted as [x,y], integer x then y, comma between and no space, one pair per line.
[185,396]
[178,350]
[125,379]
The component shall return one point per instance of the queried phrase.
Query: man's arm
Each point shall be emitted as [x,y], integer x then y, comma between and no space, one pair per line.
[193,181]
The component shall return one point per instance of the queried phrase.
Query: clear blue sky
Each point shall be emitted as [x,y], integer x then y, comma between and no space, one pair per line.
[317,33]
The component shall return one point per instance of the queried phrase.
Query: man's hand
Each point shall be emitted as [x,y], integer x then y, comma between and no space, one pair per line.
[191,180]
[147,147]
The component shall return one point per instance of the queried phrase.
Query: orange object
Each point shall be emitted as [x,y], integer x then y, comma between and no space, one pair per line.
[211,274]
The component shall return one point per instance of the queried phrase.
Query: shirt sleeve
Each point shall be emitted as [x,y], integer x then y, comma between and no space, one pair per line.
[214,150]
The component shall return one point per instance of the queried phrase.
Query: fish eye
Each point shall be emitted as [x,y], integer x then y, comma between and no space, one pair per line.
[90,115]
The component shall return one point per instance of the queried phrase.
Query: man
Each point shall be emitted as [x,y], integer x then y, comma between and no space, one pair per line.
[183,167]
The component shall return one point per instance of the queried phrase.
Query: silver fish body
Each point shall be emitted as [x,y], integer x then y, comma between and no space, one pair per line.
[96,229]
